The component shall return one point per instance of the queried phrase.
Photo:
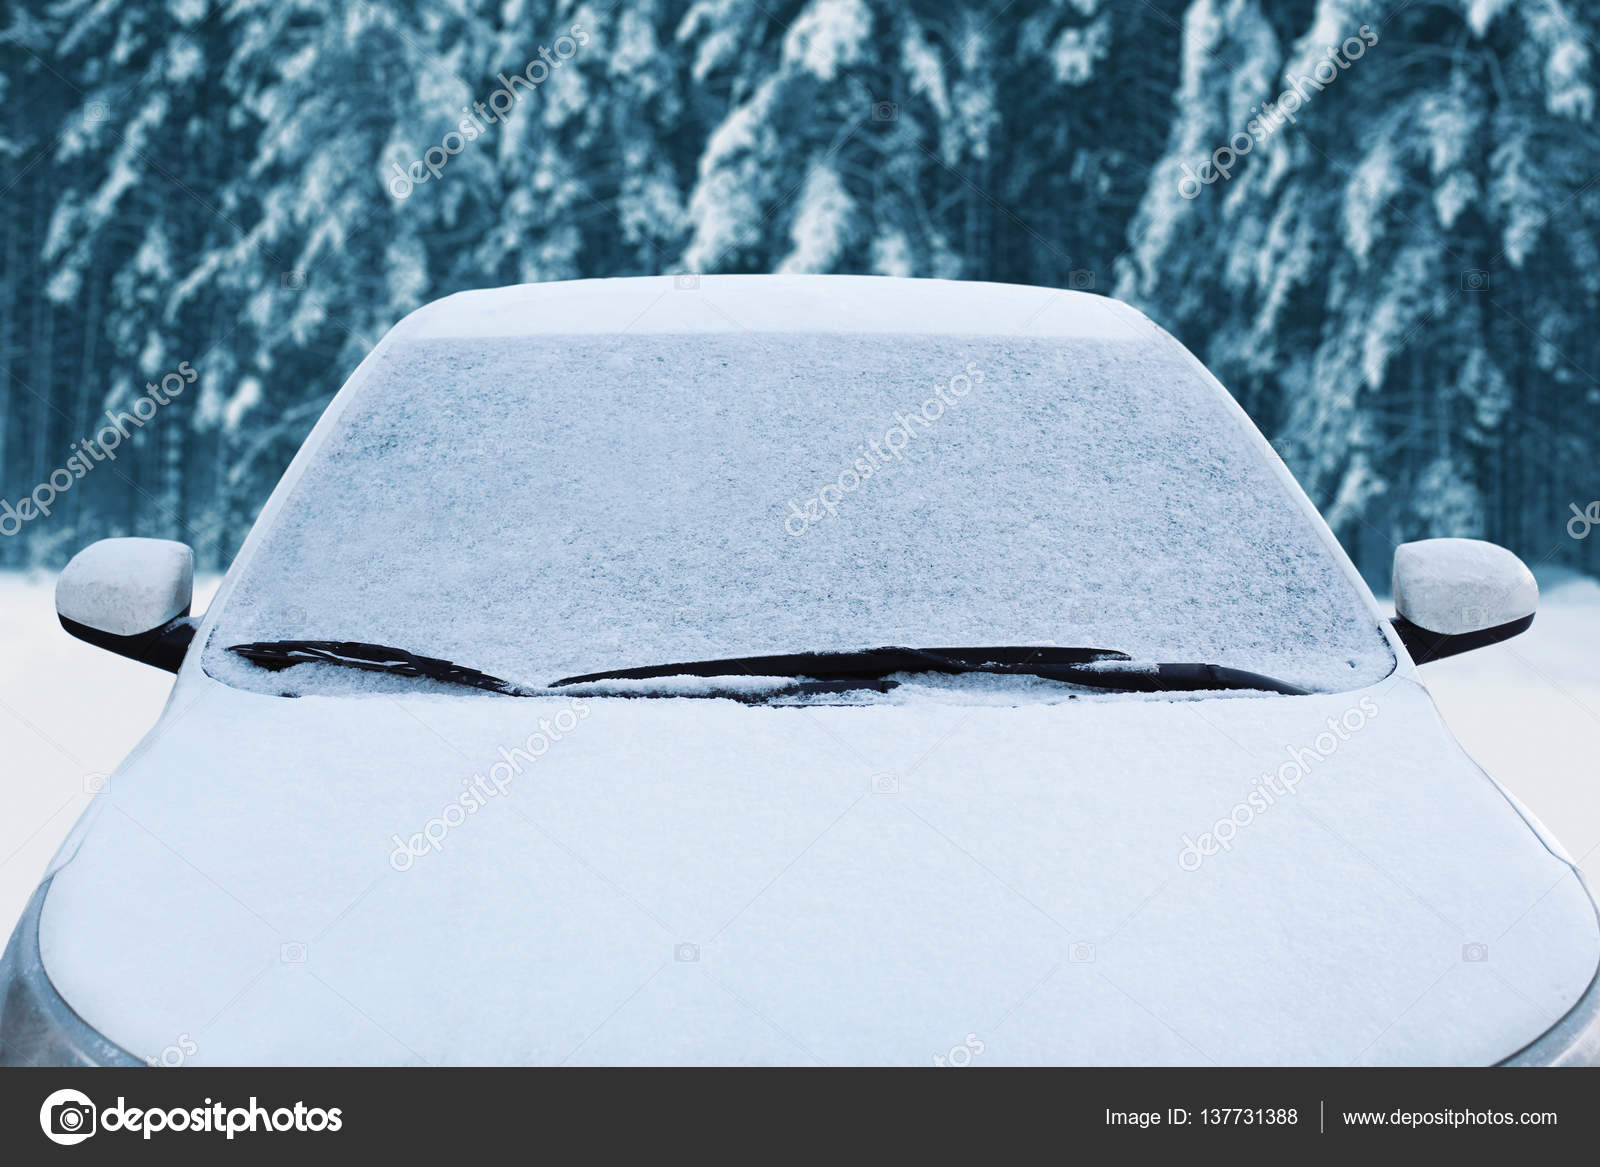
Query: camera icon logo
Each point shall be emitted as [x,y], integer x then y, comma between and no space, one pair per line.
[294,281]
[1080,280]
[499,447]
[686,281]
[67,1117]
[885,111]
[686,953]
[96,782]
[1475,279]
[292,952]
[1474,953]
[885,784]
[1081,953]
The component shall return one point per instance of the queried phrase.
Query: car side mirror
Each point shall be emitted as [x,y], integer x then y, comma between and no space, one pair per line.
[132,597]
[1452,595]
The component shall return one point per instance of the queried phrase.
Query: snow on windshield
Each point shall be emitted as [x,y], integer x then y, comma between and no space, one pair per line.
[542,506]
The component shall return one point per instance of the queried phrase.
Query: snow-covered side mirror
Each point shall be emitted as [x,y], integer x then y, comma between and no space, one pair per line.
[131,596]
[1452,595]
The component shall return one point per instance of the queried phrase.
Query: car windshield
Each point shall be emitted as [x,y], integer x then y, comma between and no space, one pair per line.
[544,506]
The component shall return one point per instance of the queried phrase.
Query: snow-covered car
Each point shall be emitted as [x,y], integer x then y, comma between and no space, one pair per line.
[797,669]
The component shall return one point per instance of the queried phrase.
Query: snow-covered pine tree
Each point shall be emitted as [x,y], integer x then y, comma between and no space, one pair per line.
[1395,282]
[926,139]
[590,168]
[127,179]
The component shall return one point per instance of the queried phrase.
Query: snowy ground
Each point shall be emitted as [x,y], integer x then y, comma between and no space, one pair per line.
[1528,711]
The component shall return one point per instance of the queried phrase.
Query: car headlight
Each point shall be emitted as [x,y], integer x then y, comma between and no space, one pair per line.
[1572,1041]
[38,1028]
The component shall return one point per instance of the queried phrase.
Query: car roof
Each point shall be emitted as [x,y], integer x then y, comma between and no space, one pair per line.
[778,303]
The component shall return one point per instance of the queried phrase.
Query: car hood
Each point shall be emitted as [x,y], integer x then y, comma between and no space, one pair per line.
[271,880]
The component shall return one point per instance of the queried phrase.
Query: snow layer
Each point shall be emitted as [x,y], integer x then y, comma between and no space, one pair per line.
[1526,709]
[127,586]
[1461,585]
[774,303]
[543,506]
[710,882]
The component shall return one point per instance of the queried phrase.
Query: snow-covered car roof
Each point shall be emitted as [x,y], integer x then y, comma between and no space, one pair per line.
[780,303]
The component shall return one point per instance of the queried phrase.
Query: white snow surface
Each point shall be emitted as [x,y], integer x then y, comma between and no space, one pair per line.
[856,885]
[547,505]
[1527,709]
[774,303]
[127,586]
[1461,585]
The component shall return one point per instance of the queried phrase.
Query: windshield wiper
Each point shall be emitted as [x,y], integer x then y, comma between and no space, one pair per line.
[277,655]
[867,664]
[374,658]
[1183,677]
[1099,668]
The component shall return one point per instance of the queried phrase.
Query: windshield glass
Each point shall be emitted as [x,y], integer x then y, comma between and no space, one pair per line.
[542,506]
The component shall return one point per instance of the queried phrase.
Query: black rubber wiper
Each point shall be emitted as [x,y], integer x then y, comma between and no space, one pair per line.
[277,655]
[1099,668]
[374,658]
[866,664]
[1174,677]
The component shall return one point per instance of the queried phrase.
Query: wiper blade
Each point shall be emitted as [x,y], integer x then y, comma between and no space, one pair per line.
[833,671]
[1099,668]
[277,655]
[375,658]
[867,664]
[782,692]
[1174,677]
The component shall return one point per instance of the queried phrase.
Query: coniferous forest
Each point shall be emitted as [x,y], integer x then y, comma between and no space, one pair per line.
[1377,223]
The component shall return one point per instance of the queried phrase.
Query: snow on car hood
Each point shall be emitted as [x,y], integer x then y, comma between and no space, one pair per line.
[701,881]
